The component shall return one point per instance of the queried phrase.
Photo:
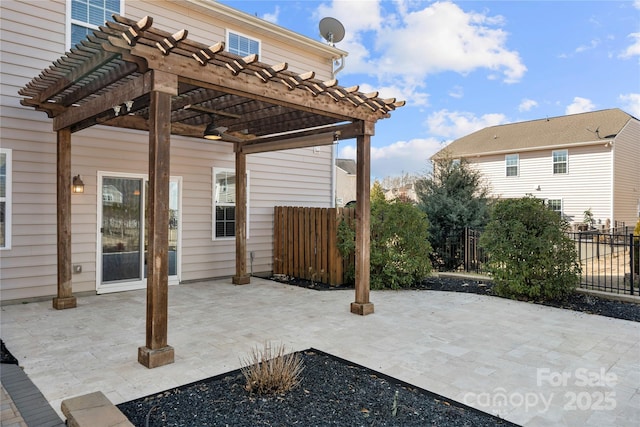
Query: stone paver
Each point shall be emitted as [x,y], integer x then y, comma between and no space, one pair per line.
[9,414]
[531,364]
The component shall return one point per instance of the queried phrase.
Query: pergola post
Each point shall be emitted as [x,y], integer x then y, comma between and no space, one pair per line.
[157,352]
[241,277]
[362,305]
[64,298]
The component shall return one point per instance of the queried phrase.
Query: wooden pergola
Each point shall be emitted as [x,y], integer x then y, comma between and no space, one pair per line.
[129,74]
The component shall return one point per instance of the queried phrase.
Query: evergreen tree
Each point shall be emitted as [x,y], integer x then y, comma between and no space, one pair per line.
[453,196]
[377,193]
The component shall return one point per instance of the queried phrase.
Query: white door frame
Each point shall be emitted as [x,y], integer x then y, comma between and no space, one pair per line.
[130,285]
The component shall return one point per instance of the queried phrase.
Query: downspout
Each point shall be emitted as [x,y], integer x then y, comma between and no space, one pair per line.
[337,70]
[334,156]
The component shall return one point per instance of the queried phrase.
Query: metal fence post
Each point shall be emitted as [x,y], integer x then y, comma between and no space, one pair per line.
[632,260]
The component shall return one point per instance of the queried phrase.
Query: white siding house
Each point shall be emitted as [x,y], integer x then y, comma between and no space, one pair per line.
[109,159]
[588,161]
[345,181]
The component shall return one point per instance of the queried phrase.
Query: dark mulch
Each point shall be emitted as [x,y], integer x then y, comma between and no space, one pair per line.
[6,356]
[576,301]
[333,392]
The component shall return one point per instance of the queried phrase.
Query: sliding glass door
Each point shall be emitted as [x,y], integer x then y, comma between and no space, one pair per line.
[123,232]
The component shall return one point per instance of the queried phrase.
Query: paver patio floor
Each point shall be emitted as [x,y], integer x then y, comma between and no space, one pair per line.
[531,364]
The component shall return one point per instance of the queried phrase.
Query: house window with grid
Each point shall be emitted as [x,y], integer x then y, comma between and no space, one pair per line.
[224,203]
[5,198]
[242,45]
[555,205]
[560,162]
[511,162]
[87,15]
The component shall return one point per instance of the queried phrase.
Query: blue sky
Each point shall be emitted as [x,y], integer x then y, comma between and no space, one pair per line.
[465,65]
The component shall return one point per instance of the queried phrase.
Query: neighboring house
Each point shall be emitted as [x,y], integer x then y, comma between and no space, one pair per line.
[580,162]
[406,192]
[345,181]
[108,217]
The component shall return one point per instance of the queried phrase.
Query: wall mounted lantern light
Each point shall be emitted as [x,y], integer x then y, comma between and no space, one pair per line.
[78,185]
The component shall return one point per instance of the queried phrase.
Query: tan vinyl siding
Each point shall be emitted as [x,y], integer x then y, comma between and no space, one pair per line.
[32,36]
[587,185]
[626,174]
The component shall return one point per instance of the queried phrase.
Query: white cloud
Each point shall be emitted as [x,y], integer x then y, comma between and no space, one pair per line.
[527,105]
[579,105]
[443,37]
[402,42]
[456,92]
[455,124]
[631,102]
[272,17]
[634,48]
[592,45]
[399,157]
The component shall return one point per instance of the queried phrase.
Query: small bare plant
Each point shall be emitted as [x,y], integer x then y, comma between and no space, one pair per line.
[270,370]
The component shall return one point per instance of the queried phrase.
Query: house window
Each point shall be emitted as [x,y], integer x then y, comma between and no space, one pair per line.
[511,162]
[87,15]
[560,162]
[555,205]
[242,45]
[224,201]
[5,198]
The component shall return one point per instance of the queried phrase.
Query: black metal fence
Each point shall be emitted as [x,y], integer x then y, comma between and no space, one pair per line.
[610,262]
[463,252]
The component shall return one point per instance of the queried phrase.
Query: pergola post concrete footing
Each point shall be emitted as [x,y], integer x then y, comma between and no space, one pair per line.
[152,358]
[64,302]
[241,280]
[362,308]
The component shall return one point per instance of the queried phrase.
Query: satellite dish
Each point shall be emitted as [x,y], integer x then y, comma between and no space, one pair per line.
[332,30]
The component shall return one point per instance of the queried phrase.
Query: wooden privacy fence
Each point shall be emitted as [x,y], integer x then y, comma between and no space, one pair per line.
[305,243]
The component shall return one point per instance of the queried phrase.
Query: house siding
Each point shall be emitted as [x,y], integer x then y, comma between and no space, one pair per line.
[32,36]
[587,185]
[626,174]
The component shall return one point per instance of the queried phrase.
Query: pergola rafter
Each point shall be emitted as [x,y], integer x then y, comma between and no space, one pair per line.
[130,74]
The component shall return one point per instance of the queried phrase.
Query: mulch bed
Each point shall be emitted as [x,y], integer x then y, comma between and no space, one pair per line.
[333,392]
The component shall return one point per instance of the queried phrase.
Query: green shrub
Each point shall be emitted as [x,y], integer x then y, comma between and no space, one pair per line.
[399,248]
[530,256]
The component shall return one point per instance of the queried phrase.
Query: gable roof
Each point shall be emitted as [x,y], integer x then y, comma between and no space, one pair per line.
[347,165]
[574,129]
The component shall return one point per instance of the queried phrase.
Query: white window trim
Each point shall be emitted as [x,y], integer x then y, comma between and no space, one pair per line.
[547,199]
[214,171]
[507,165]
[7,199]
[228,31]
[69,21]
[553,163]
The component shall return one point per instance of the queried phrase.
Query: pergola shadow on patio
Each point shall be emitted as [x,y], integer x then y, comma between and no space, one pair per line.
[129,74]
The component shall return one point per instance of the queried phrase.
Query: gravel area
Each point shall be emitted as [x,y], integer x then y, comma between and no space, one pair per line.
[333,392]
